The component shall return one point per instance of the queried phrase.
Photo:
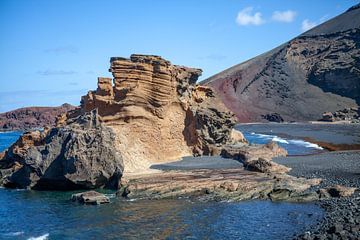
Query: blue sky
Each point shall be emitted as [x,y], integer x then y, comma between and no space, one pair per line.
[51,52]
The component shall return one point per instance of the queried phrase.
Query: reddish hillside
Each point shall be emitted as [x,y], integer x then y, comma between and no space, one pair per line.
[316,72]
[31,117]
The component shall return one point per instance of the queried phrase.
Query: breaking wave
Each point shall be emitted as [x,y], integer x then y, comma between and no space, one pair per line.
[42,237]
[286,141]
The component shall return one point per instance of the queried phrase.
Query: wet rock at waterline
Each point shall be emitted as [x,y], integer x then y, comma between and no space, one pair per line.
[79,155]
[90,197]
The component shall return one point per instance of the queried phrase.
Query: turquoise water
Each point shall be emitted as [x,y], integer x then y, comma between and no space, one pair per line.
[51,215]
[8,138]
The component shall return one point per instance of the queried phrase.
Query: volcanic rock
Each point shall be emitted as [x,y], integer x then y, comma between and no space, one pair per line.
[158,112]
[32,117]
[90,197]
[339,191]
[217,184]
[237,137]
[247,153]
[79,155]
[315,72]
[347,114]
[265,166]
[273,117]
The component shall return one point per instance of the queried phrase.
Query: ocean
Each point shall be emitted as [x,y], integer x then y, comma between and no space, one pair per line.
[26,214]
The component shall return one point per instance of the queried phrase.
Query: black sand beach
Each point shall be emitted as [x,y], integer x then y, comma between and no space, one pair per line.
[342,218]
[323,132]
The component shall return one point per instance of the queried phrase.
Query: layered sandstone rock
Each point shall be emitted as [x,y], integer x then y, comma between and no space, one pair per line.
[158,112]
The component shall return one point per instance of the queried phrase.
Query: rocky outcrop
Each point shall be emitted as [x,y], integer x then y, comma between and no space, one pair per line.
[347,114]
[218,184]
[79,155]
[247,153]
[158,112]
[32,117]
[150,112]
[337,191]
[237,137]
[315,72]
[257,157]
[90,197]
[265,166]
[273,117]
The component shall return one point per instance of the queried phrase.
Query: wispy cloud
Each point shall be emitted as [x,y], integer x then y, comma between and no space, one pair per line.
[247,17]
[50,72]
[16,99]
[215,57]
[62,49]
[73,83]
[285,16]
[307,25]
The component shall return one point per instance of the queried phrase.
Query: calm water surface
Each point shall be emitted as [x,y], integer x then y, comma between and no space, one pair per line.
[51,215]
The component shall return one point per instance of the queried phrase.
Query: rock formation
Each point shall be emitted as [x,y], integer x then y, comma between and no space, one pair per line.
[257,157]
[317,71]
[79,155]
[31,117]
[151,112]
[90,197]
[158,112]
[347,114]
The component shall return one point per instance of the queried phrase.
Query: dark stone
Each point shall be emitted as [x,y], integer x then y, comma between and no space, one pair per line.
[273,117]
[79,155]
[279,194]
[336,228]
[90,197]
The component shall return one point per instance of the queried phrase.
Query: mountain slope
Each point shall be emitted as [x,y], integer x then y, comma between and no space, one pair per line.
[317,71]
[31,117]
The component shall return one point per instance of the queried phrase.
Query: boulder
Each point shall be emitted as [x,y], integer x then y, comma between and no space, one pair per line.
[237,137]
[273,117]
[247,153]
[347,114]
[339,191]
[265,166]
[79,155]
[90,197]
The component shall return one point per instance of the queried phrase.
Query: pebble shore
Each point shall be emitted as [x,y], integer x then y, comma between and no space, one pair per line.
[342,220]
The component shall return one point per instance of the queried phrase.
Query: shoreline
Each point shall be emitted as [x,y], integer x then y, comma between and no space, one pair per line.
[342,219]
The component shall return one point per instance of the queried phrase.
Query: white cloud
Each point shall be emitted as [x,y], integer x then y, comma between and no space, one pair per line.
[246,17]
[307,25]
[285,16]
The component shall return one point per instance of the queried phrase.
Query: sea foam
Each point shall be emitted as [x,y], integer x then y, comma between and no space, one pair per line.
[286,141]
[42,237]
[13,234]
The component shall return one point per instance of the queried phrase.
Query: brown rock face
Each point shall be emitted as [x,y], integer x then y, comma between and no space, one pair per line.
[157,111]
[315,72]
[32,117]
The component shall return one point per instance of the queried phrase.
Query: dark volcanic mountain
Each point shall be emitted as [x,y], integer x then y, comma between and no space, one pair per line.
[317,71]
[31,117]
